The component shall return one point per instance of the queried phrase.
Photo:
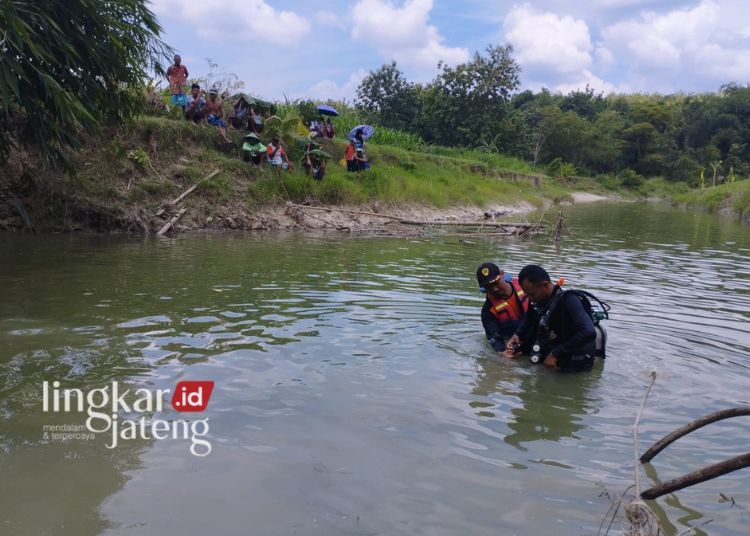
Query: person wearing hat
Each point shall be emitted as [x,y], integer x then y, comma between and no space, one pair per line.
[504,307]
[253,149]
[215,111]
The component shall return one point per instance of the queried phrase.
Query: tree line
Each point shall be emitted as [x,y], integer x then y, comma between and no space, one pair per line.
[477,104]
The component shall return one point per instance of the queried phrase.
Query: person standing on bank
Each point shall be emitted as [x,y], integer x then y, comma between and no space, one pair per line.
[504,307]
[557,327]
[177,75]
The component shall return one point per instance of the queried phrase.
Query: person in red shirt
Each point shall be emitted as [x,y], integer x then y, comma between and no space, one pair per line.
[177,75]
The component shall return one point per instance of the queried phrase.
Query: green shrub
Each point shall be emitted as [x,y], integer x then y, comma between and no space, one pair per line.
[630,179]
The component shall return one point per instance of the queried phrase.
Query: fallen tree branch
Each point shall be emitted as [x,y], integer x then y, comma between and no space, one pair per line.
[696,477]
[171,222]
[187,192]
[668,439]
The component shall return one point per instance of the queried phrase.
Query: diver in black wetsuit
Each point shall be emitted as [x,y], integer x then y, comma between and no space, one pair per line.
[557,328]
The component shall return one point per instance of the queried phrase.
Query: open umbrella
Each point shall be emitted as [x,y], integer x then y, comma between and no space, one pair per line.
[324,109]
[367,131]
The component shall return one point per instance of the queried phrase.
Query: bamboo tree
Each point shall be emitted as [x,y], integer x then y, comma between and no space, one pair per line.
[67,66]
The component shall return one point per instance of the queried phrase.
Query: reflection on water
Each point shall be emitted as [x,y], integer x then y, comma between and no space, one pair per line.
[354,391]
[550,406]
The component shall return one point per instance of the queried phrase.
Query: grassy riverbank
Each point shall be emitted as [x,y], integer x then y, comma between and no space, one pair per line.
[731,198]
[124,175]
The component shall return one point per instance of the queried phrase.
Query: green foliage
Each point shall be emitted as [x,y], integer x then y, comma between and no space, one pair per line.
[68,66]
[472,105]
[307,110]
[469,101]
[559,168]
[139,157]
[630,179]
[385,97]
[609,181]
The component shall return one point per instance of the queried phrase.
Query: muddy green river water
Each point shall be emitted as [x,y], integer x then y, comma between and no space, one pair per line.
[354,393]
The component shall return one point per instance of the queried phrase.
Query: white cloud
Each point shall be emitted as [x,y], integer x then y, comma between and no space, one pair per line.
[327,89]
[587,78]
[403,33]
[723,65]
[663,41]
[328,18]
[244,20]
[620,3]
[545,41]
[603,55]
[671,51]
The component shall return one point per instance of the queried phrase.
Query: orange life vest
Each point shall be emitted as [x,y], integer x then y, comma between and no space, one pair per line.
[504,310]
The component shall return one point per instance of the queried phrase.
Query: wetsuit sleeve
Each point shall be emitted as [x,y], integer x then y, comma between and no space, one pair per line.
[528,326]
[578,323]
[492,328]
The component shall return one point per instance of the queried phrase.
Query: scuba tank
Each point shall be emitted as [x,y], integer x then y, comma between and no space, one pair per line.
[596,309]
[599,311]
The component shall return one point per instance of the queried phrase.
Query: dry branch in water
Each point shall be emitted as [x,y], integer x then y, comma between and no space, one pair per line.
[690,427]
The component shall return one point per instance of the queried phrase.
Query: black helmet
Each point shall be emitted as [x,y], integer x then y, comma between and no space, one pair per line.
[486,274]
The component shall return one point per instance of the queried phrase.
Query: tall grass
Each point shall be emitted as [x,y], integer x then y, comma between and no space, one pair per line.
[735,195]
[391,181]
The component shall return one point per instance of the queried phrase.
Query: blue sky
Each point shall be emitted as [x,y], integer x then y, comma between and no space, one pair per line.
[323,48]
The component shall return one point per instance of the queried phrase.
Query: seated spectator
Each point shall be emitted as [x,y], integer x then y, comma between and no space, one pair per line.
[277,156]
[240,114]
[196,104]
[215,113]
[329,131]
[253,150]
[314,163]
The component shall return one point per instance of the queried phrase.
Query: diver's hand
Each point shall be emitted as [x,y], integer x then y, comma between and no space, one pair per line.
[513,343]
[512,348]
[550,361]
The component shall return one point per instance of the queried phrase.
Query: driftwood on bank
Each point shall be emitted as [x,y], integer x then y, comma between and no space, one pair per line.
[186,193]
[520,227]
[171,222]
[667,440]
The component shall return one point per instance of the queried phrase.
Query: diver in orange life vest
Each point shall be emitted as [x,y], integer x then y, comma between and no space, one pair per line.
[504,307]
